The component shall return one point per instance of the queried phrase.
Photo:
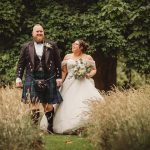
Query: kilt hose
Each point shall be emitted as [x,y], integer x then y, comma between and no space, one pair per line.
[50,95]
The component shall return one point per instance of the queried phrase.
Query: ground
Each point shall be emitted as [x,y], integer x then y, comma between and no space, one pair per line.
[66,142]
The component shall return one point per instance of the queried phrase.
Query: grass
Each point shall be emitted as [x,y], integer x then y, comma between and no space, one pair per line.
[122,122]
[18,133]
[66,142]
[16,128]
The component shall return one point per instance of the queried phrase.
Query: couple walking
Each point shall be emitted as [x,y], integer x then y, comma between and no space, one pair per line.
[50,81]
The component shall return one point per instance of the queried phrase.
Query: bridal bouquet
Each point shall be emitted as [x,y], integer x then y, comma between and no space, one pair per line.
[81,69]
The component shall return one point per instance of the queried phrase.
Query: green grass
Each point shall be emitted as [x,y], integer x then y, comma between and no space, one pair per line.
[59,142]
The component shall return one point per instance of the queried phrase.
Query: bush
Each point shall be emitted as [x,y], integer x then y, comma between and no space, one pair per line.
[16,128]
[123,122]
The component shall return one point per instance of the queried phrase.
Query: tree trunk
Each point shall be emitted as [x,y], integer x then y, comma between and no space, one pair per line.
[106,74]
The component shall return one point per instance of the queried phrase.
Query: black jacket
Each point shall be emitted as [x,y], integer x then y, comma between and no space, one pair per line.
[52,60]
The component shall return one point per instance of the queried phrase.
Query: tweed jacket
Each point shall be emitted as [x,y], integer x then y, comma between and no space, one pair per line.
[27,59]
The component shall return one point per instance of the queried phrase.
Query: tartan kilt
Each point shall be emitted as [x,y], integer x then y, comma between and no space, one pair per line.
[51,95]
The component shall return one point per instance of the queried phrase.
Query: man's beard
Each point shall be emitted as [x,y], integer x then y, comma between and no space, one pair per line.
[38,39]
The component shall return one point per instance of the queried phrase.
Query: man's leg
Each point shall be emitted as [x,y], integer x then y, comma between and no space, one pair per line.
[49,113]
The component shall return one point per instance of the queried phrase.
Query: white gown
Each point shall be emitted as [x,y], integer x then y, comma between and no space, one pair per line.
[70,114]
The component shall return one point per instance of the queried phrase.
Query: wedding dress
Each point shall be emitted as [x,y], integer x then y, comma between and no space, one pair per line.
[76,94]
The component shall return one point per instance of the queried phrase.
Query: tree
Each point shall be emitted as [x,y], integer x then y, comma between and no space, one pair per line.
[112,28]
[138,37]
[92,26]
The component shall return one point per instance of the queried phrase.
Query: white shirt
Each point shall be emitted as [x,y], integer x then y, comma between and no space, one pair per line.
[39,49]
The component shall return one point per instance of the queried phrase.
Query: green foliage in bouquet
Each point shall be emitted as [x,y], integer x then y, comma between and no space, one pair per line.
[80,69]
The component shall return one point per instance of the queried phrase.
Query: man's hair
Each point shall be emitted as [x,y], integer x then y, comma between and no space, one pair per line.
[36,26]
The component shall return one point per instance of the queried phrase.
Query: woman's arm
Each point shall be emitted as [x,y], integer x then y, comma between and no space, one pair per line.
[93,68]
[64,72]
[64,66]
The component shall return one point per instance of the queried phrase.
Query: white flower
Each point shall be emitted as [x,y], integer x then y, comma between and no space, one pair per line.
[48,45]
[80,69]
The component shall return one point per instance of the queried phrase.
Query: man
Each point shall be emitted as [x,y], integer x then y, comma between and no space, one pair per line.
[41,60]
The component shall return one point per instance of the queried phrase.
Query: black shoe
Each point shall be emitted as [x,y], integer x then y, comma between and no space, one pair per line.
[50,116]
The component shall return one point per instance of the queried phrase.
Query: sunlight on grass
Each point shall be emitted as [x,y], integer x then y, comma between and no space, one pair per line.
[66,142]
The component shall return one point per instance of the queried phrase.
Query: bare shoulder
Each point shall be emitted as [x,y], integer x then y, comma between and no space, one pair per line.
[68,56]
[89,57]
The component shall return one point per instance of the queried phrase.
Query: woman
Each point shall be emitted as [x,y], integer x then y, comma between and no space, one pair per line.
[77,89]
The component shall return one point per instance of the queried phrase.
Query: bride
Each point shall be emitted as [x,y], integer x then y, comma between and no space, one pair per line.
[77,89]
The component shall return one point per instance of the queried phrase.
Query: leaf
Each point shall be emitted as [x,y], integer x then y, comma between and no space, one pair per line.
[68,141]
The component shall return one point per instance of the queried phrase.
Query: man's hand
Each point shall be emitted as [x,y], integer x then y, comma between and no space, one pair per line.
[59,82]
[19,83]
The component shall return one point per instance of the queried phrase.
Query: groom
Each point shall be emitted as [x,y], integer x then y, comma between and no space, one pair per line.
[41,62]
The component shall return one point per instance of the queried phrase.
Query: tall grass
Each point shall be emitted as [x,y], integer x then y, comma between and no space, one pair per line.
[16,129]
[123,122]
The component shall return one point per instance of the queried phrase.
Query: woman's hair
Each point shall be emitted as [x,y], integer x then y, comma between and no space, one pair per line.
[83,45]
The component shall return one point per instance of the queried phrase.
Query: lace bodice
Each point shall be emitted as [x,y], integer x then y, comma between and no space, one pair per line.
[72,63]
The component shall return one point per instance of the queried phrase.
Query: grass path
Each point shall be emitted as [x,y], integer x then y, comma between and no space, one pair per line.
[66,142]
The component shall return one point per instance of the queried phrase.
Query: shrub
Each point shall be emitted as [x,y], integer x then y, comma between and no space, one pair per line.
[16,129]
[123,122]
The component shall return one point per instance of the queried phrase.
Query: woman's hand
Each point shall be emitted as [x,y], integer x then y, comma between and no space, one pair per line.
[59,82]
[91,74]
[88,75]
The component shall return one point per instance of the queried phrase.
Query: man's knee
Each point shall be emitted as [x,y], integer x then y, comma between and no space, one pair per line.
[48,107]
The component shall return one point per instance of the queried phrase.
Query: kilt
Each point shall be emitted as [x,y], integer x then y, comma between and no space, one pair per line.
[50,95]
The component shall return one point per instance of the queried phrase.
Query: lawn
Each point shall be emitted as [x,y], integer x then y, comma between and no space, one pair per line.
[66,142]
